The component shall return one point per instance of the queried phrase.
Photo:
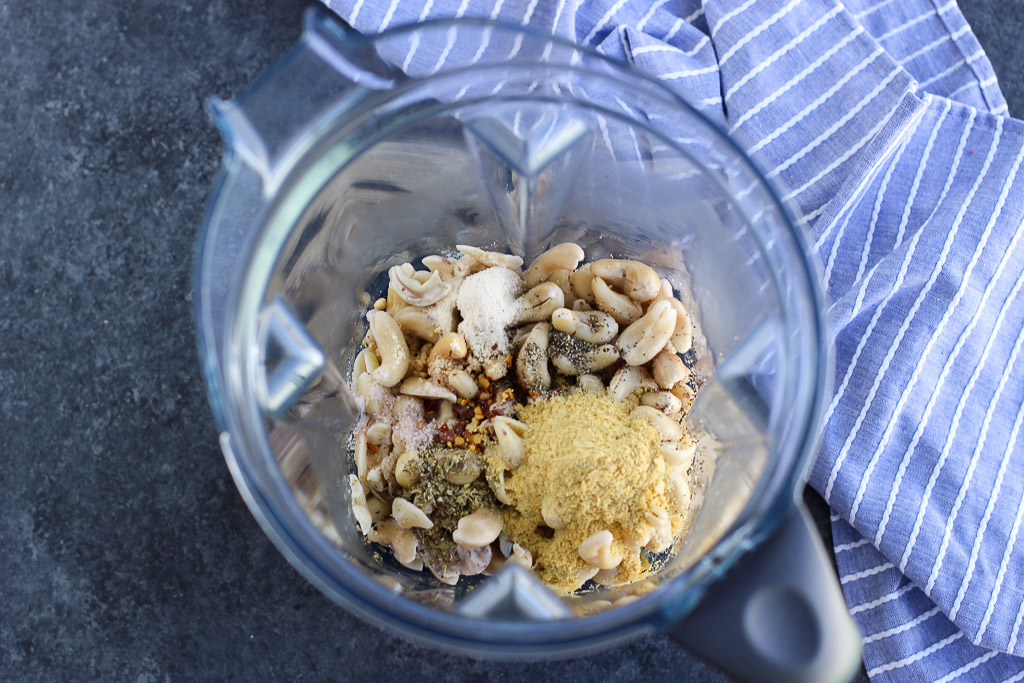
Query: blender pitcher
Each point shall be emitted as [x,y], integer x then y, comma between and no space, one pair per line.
[357,153]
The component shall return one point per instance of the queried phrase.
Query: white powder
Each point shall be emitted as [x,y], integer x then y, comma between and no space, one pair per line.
[487,302]
[413,431]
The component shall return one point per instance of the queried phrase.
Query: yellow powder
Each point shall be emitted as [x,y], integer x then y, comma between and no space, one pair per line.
[593,467]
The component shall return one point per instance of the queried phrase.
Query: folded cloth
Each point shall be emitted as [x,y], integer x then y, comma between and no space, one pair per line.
[883,123]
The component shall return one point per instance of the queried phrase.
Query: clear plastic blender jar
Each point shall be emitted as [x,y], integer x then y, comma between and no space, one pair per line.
[357,153]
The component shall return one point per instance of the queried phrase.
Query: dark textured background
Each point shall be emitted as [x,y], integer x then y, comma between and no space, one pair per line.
[125,551]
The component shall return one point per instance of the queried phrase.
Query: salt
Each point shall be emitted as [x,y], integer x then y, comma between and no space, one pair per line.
[487,302]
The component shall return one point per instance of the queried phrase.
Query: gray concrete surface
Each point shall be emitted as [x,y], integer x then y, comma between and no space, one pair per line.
[125,551]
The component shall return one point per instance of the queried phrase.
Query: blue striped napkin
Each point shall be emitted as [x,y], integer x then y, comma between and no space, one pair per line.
[884,123]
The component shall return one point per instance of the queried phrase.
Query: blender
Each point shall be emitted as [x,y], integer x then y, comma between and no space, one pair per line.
[356,153]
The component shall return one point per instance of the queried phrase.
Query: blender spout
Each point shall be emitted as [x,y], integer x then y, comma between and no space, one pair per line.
[325,75]
[514,594]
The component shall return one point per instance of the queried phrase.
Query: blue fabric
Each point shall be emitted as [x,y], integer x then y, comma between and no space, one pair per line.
[883,122]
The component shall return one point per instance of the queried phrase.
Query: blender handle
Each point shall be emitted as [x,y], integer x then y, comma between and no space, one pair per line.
[777,614]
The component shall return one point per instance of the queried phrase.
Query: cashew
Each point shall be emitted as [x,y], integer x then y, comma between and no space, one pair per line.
[394,302]
[679,491]
[372,401]
[595,327]
[661,530]
[407,404]
[581,306]
[359,509]
[379,510]
[519,335]
[433,262]
[561,278]
[551,515]
[521,556]
[449,345]
[394,352]
[685,394]
[565,256]
[478,529]
[669,428]
[445,412]
[361,457]
[665,401]
[418,289]
[510,440]
[464,470]
[409,516]
[462,382]
[642,340]
[443,573]
[402,541]
[539,303]
[585,574]
[573,356]
[376,479]
[627,380]
[638,280]
[682,336]
[532,362]
[607,577]
[596,550]
[678,457]
[378,433]
[620,306]
[591,383]
[638,537]
[417,386]
[581,280]
[403,544]
[407,469]
[664,293]
[366,361]
[669,369]
[489,259]
[418,323]
[496,480]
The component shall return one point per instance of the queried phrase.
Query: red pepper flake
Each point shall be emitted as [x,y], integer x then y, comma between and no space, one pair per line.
[372,447]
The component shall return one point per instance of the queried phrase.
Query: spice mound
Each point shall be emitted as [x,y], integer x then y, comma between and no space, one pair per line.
[590,468]
[529,417]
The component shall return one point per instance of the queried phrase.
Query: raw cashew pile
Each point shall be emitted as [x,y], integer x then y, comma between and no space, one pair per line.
[454,351]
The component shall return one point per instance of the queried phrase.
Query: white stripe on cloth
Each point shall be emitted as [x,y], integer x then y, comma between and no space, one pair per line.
[761,28]
[807,71]
[900,663]
[998,210]
[1015,529]
[937,467]
[970,666]
[821,99]
[840,459]
[785,49]
[895,630]
[878,602]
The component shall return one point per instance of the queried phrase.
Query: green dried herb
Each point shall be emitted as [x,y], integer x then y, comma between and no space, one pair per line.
[449,502]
